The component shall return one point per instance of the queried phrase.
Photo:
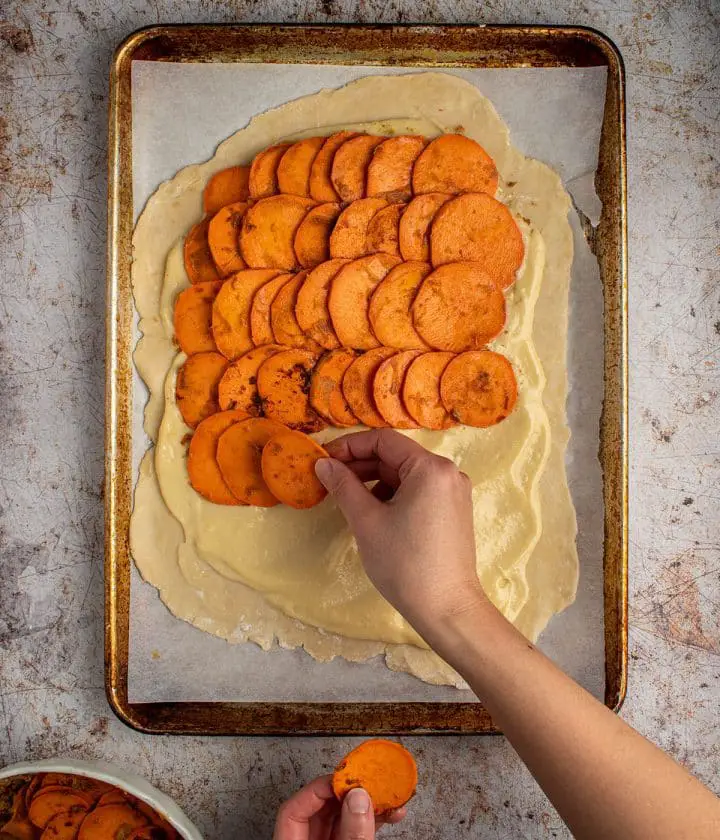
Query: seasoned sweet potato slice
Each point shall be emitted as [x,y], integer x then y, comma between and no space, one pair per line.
[226,187]
[283,383]
[285,326]
[350,165]
[260,325]
[262,181]
[383,231]
[288,467]
[268,231]
[479,388]
[458,307]
[203,471]
[349,238]
[311,308]
[421,391]
[349,298]
[312,239]
[112,821]
[321,186]
[326,395]
[224,238]
[231,310]
[414,227]
[237,389]
[389,311]
[293,170]
[453,163]
[390,171]
[193,317]
[196,386]
[357,386]
[478,228]
[199,264]
[239,453]
[387,389]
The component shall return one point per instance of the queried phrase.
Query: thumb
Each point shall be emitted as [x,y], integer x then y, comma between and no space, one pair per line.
[353,497]
[357,820]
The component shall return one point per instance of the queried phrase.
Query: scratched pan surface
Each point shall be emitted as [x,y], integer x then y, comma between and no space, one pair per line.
[412,46]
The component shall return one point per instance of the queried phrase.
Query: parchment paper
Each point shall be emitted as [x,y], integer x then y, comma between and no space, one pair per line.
[180,113]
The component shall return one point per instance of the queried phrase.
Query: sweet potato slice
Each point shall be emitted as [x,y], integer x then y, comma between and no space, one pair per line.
[326,395]
[111,821]
[199,264]
[65,825]
[389,172]
[113,797]
[350,164]
[348,239]
[389,311]
[421,391]
[263,171]
[88,797]
[283,383]
[260,326]
[238,387]
[383,231]
[311,308]
[231,310]
[349,297]
[321,187]
[193,317]
[223,238]
[46,804]
[31,789]
[285,326]
[268,231]
[196,387]
[203,471]
[288,467]
[239,453]
[293,170]
[478,228]
[414,227]
[312,239]
[226,187]
[357,386]
[479,388]
[57,780]
[453,163]
[385,769]
[387,389]
[458,307]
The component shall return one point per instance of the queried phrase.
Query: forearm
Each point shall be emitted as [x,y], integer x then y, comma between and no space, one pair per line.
[603,777]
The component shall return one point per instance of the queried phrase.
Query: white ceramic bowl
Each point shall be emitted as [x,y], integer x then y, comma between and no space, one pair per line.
[129,782]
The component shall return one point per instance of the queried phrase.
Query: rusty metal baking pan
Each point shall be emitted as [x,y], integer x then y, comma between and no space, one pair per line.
[412,46]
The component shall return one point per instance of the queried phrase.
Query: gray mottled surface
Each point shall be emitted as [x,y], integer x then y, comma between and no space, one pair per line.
[54,58]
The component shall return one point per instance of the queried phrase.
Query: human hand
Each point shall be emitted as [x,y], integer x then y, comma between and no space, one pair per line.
[414,530]
[314,813]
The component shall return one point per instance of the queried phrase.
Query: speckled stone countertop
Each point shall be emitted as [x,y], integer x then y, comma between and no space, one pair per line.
[54,58]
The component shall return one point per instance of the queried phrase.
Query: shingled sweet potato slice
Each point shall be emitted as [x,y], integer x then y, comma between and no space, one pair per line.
[479,388]
[199,264]
[231,310]
[268,231]
[260,326]
[55,800]
[349,238]
[223,238]
[111,821]
[414,226]
[263,171]
[349,298]
[293,170]
[226,187]
[196,386]
[389,172]
[421,391]
[312,239]
[357,386]
[326,395]
[350,164]
[283,383]
[238,387]
[383,231]
[311,308]
[387,389]
[65,825]
[193,317]
[478,228]
[239,453]
[389,311]
[203,471]
[288,467]
[458,307]
[321,187]
[285,326]
[453,163]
